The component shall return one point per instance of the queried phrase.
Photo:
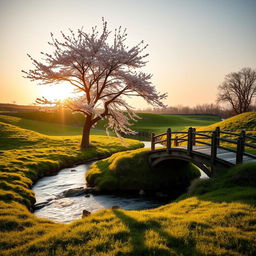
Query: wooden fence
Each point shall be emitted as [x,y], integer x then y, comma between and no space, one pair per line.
[239,143]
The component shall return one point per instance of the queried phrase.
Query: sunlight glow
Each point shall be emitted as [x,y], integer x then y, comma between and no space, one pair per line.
[57,92]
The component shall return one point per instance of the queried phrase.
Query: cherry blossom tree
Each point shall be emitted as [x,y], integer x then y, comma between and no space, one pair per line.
[102,74]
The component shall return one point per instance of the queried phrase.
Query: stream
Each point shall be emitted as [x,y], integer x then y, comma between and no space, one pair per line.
[51,204]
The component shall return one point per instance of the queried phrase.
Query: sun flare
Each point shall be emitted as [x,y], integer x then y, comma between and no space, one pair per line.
[57,92]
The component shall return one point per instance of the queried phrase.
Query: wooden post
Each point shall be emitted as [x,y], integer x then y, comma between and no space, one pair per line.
[152,141]
[213,147]
[190,140]
[194,136]
[176,142]
[240,148]
[217,130]
[168,139]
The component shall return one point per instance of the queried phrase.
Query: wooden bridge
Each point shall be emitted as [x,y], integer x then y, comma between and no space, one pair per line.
[209,150]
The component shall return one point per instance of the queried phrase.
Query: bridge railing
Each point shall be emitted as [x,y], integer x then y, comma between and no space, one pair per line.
[230,141]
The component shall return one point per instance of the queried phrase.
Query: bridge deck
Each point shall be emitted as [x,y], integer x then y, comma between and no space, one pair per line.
[222,154]
[209,150]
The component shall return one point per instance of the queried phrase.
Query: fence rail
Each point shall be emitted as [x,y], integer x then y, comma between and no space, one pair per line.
[230,141]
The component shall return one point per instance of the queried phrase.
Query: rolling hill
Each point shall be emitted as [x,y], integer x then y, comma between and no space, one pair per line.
[60,124]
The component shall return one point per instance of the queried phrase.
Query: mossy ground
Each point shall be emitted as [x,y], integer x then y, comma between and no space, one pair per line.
[215,218]
[131,171]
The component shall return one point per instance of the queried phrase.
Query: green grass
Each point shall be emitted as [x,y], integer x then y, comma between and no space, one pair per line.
[221,188]
[245,121]
[216,217]
[235,124]
[47,128]
[31,155]
[131,171]
[60,117]
[160,123]
[188,227]
[148,123]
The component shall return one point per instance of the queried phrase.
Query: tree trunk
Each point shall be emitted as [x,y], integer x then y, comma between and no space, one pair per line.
[86,133]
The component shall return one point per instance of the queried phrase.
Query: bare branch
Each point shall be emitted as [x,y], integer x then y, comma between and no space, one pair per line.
[239,90]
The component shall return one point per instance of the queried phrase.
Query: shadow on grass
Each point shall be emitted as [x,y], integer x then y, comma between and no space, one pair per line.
[237,184]
[138,230]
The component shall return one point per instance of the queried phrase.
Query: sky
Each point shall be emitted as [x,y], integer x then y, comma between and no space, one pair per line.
[193,44]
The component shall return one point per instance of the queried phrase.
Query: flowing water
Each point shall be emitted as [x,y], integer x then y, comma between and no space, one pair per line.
[55,206]
[48,191]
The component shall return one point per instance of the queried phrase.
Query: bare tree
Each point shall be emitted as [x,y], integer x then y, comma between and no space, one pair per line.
[101,73]
[239,90]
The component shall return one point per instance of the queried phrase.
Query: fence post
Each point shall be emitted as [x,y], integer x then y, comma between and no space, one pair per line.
[213,147]
[168,139]
[152,141]
[194,136]
[176,142]
[240,148]
[190,140]
[217,130]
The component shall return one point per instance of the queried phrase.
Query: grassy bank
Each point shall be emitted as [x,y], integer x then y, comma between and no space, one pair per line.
[245,121]
[216,218]
[131,171]
[236,124]
[198,225]
[26,155]
[238,184]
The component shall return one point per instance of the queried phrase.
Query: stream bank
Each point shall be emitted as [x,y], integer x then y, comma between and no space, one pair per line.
[49,191]
[54,202]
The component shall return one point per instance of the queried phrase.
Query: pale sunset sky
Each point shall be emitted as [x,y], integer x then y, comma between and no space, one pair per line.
[193,44]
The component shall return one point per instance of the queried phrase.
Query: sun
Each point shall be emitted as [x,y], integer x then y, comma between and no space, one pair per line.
[56,92]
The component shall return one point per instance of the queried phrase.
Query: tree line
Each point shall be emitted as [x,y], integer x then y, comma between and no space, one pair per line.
[201,109]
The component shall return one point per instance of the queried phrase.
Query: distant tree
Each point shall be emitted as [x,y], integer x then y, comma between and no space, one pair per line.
[206,109]
[102,73]
[239,90]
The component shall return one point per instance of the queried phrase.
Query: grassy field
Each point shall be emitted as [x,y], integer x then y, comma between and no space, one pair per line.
[52,129]
[71,124]
[216,217]
[160,123]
